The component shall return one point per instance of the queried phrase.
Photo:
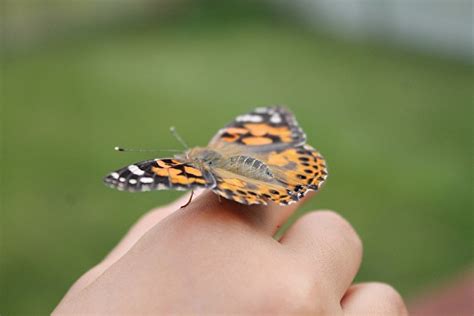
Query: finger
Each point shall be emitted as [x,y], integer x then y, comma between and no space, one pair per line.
[373,299]
[328,247]
[266,219]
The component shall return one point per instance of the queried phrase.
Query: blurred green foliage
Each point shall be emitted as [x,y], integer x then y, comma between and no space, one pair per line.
[395,129]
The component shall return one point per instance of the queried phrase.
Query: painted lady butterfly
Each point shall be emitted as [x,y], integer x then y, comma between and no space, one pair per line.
[260,156]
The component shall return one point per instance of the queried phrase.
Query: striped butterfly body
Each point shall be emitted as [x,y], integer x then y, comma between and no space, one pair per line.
[259,157]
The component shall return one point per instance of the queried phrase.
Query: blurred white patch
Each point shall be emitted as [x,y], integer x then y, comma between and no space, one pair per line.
[261,110]
[146,180]
[249,118]
[275,118]
[135,170]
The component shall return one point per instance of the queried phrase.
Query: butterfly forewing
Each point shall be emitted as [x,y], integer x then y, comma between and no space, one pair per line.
[262,129]
[159,174]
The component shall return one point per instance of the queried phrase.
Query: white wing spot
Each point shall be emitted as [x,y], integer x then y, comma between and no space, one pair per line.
[275,118]
[132,181]
[114,175]
[122,179]
[135,170]
[146,180]
[261,110]
[249,118]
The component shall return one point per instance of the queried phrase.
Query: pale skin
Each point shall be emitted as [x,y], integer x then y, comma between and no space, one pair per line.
[220,257]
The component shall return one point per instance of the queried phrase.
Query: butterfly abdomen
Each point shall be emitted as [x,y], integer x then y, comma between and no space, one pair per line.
[249,167]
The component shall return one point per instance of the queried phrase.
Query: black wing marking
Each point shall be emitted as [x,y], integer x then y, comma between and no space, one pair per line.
[264,128]
[159,174]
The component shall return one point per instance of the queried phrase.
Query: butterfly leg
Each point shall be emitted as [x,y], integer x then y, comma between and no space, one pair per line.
[189,201]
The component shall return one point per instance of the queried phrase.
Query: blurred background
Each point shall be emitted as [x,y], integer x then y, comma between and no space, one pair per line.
[382,88]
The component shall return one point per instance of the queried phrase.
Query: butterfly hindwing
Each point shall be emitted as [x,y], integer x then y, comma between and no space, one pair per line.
[295,171]
[300,169]
[158,174]
[249,191]
[264,128]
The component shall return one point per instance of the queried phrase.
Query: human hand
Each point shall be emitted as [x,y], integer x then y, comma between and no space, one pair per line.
[219,257]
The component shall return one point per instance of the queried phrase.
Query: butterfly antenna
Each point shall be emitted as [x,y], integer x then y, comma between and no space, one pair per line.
[118,148]
[176,135]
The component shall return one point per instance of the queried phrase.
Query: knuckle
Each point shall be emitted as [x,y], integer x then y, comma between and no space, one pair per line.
[297,302]
[391,298]
[344,229]
[298,293]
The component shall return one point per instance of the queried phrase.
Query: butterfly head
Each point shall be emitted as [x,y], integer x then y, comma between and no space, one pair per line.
[204,156]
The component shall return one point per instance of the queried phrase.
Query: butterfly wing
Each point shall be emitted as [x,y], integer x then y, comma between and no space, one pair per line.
[249,191]
[159,174]
[262,129]
[295,172]
[299,169]
[273,136]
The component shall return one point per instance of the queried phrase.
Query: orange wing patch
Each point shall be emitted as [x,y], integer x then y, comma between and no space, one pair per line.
[301,169]
[193,171]
[180,174]
[252,141]
[250,191]
[234,187]
[282,132]
[261,127]
[257,134]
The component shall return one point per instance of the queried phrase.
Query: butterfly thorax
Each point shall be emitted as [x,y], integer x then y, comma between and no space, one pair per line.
[204,156]
[243,165]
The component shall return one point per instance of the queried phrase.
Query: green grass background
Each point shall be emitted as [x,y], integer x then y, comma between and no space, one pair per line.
[395,129]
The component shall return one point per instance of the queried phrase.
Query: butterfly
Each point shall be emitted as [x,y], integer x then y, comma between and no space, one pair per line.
[261,156]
